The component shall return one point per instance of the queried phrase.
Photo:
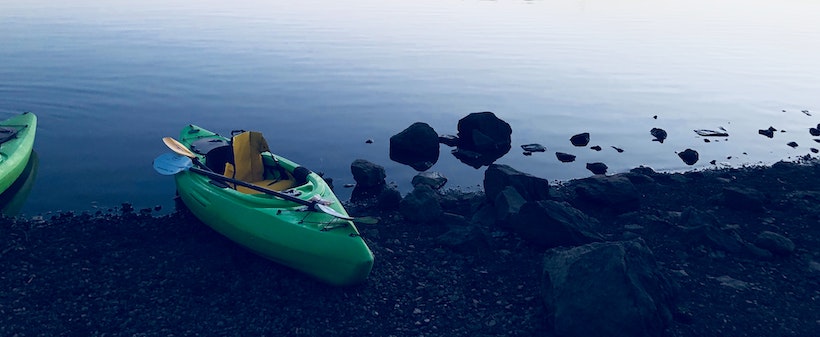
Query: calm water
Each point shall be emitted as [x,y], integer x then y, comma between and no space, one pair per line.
[109,79]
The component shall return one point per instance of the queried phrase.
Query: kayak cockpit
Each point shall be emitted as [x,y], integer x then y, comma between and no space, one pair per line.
[247,157]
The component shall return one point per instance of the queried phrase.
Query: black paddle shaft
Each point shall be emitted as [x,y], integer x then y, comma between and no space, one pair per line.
[252,186]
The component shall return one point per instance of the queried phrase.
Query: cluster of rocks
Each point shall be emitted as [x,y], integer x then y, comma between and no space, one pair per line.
[483,138]
[596,281]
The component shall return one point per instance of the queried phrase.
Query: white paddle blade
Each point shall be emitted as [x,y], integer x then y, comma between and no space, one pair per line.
[171,163]
[177,147]
[331,211]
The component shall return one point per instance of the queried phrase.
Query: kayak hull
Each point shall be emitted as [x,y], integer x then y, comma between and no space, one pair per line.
[323,246]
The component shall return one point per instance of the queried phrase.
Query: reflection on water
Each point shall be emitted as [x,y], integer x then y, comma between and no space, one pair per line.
[14,198]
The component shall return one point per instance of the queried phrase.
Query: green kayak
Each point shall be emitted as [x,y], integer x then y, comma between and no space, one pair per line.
[319,244]
[16,141]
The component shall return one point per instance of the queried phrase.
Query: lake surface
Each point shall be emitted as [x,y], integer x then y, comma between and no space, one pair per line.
[109,79]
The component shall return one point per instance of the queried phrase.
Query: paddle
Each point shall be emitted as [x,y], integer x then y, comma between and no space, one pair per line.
[180,149]
[170,164]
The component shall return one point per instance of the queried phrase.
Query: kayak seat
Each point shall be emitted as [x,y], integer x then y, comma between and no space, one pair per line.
[248,166]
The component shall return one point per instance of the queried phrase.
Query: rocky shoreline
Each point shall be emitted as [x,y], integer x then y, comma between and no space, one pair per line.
[728,252]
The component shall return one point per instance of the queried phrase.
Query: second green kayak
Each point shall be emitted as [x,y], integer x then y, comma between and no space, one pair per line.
[16,142]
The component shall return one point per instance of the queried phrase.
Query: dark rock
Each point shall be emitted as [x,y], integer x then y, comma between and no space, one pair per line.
[472,158]
[613,289]
[659,134]
[367,174]
[792,144]
[420,205]
[388,199]
[550,223]
[775,243]
[689,156]
[432,179]
[565,157]
[596,148]
[507,204]
[767,132]
[460,202]
[614,193]
[530,187]
[747,199]
[534,148]
[416,146]
[620,150]
[581,139]
[485,135]
[369,141]
[448,140]
[814,150]
[815,131]
[597,168]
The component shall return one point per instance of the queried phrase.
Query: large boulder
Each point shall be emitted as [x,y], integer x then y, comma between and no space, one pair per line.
[499,176]
[613,193]
[550,224]
[416,146]
[483,138]
[613,289]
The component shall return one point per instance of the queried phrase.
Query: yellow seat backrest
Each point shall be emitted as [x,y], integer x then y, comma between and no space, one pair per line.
[247,157]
